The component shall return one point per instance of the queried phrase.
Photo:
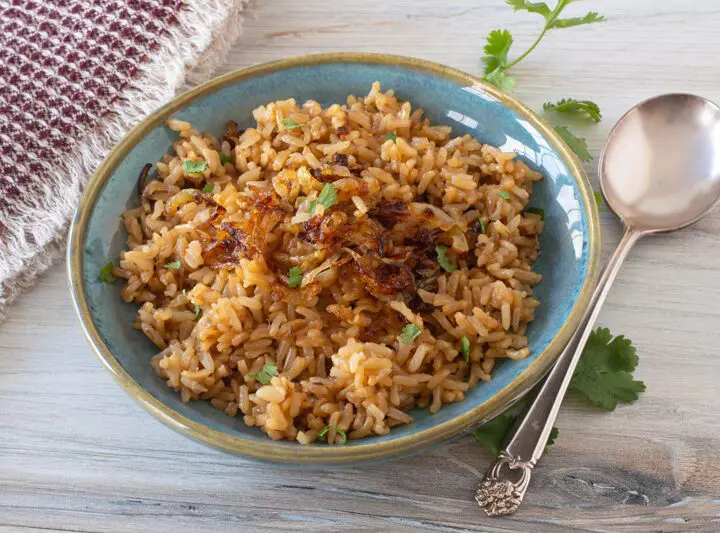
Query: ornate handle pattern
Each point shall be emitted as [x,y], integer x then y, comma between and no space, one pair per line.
[497,494]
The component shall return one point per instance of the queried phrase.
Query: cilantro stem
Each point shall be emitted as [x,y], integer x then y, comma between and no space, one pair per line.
[529,50]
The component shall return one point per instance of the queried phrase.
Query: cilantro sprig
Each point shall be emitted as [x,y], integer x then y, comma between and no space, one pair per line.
[603,377]
[106,274]
[497,65]
[295,277]
[499,42]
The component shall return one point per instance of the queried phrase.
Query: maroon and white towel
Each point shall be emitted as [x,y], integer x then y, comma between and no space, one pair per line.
[75,76]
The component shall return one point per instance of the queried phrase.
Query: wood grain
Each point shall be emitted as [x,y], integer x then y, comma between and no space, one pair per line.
[76,454]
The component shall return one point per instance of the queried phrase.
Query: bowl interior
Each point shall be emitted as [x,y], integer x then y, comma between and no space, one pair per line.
[565,245]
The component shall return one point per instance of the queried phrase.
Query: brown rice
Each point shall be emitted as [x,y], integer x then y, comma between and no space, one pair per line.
[219,308]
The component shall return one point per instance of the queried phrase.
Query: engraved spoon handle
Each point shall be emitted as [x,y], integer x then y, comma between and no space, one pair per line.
[501,490]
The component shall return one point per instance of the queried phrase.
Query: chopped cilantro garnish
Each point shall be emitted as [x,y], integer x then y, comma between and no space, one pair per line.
[391,136]
[536,211]
[175,265]
[266,373]
[324,431]
[290,124]
[443,259]
[295,277]
[504,195]
[409,333]
[107,275]
[225,159]
[481,222]
[599,200]
[208,188]
[194,167]
[465,348]
[327,198]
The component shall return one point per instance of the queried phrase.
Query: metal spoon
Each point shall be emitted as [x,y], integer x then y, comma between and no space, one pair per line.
[659,171]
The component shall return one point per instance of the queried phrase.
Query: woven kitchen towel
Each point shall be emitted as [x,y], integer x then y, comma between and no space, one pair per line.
[75,76]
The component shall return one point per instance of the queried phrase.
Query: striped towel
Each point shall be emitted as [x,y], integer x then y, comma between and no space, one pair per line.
[75,75]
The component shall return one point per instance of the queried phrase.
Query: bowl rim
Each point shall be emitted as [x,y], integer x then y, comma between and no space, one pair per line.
[328,455]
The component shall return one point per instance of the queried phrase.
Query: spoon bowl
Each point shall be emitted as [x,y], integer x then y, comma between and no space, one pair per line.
[660,169]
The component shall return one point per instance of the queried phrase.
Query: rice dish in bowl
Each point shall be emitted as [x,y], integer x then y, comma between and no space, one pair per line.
[327,270]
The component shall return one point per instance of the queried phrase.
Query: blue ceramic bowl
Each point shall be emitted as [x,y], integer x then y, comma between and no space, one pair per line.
[568,261]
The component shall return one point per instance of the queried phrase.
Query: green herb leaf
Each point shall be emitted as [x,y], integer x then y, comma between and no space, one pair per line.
[175,265]
[590,18]
[295,277]
[106,274]
[225,159]
[444,260]
[482,225]
[208,188]
[324,431]
[576,144]
[576,107]
[290,124]
[541,8]
[502,81]
[492,434]
[465,348]
[265,374]
[327,197]
[536,211]
[496,50]
[504,195]
[391,136]
[604,372]
[194,167]
[409,333]
[196,310]
[599,200]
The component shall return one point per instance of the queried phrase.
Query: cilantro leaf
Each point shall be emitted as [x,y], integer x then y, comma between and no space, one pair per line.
[603,374]
[599,200]
[391,136]
[589,18]
[536,211]
[106,274]
[492,434]
[504,195]
[540,8]
[266,373]
[496,50]
[175,265]
[444,260]
[465,348]
[481,223]
[194,167]
[328,196]
[225,159]
[290,124]
[295,277]
[324,431]
[572,106]
[576,144]
[409,333]
[502,81]
[208,188]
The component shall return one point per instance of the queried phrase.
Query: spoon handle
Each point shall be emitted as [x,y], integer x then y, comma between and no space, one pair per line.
[501,491]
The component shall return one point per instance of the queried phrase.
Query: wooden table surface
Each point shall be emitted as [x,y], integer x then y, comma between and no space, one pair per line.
[77,454]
